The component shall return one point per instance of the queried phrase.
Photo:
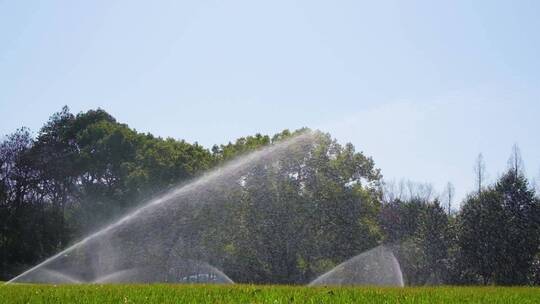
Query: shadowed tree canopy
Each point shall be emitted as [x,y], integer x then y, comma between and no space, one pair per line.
[500,229]
[284,222]
[88,169]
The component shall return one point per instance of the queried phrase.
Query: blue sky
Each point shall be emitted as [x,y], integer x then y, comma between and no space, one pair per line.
[422,86]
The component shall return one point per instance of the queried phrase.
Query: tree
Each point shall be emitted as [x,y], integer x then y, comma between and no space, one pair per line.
[481,228]
[515,162]
[286,219]
[433,239]
[449,196]
[419,231]
[499,235]
[29,226]
[296,217]
[480,172]
[522,225]
[79,172]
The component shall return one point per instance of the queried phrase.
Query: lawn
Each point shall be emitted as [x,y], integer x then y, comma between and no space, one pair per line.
[160,293]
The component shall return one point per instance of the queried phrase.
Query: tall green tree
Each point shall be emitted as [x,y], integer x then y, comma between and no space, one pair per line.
[521,226]
[433,238]
[499,235]
[29,226]
[482,226]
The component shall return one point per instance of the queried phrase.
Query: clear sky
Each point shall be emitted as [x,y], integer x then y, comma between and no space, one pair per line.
[422,86]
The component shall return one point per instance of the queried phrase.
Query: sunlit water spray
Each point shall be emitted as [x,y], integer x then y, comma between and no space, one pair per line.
[166,240]
[146,244]
[376,267]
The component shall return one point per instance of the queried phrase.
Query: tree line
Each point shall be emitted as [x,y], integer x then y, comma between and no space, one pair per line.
[284,224]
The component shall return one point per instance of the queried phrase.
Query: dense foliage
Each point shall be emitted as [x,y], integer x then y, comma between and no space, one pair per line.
[290,222]
[78,173]
[84,170]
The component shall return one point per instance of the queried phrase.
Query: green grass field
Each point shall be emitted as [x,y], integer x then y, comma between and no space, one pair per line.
[261,294]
